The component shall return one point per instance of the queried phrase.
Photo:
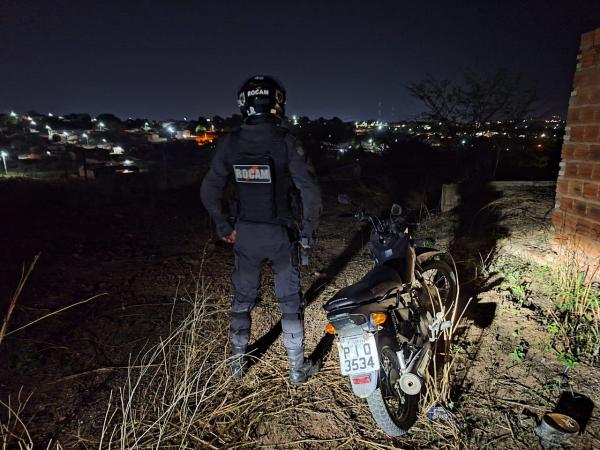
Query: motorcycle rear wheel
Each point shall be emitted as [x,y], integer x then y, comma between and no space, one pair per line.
[393,410]
[440,274]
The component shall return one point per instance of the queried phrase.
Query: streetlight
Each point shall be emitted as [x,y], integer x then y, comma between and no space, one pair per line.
[86,137]
[101,125]
[3,154]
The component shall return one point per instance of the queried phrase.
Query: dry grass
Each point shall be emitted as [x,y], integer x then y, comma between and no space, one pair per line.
[180,396]
[13,431]
[576,303]
[439,383]
[13,301]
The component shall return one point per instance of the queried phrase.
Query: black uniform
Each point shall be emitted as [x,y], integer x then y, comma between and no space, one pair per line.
[265,162]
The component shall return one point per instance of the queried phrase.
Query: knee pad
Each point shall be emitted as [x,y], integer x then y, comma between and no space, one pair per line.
[291,304]
[240,304]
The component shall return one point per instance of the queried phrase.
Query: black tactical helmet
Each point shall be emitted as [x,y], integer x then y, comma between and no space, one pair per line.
[261,95]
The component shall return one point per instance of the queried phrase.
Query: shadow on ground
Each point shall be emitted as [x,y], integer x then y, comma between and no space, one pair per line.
[475,245]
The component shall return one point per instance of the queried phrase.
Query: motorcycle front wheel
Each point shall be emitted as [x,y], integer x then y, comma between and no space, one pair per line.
[393,410]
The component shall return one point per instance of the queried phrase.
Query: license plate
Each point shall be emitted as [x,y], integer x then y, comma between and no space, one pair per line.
[358,354]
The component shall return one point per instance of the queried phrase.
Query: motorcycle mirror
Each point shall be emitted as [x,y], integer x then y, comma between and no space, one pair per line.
[344,199]
[396,210]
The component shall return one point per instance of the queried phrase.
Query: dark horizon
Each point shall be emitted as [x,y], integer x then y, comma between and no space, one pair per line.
[344,59]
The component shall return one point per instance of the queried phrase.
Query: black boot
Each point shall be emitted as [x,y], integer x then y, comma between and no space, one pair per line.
[237,362]
[300,369]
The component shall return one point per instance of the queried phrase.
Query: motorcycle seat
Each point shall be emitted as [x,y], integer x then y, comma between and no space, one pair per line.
[372,287]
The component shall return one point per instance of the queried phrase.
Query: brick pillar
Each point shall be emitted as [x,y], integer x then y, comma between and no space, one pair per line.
[576,217]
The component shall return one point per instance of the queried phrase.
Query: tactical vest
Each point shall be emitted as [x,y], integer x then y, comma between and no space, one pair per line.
[263,184]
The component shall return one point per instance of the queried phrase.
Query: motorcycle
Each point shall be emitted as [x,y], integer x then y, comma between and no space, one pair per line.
[387,323]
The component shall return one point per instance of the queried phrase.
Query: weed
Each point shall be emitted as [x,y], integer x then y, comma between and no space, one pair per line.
[574,321]
[567,359]
[520,351]
[514,282]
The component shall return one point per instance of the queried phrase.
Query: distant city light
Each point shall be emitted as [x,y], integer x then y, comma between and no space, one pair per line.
[127,162]
[33,124]
[3,154]
[101,125]
[13,114]
[463,142]
[104,140]
[50,115]
[370,140]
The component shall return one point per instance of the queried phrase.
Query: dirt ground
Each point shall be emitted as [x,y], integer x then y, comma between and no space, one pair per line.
[140,252]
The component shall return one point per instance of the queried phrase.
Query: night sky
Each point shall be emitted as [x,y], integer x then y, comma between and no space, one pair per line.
[162,59]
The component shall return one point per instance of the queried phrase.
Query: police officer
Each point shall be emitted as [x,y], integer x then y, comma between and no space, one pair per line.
[266,165]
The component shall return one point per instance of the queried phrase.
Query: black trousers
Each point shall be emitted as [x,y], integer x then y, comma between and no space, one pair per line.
[257,244]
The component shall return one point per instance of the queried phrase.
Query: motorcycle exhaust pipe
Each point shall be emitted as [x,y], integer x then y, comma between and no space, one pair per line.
[411,382]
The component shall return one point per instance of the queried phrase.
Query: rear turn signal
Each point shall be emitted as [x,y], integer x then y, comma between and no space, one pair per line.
[330,329]
[378,318]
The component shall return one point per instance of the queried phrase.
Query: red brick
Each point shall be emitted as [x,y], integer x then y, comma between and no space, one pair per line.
[593,212]
[575,189]
[589,58]
[584,170]
[586,96]
[587,40]
[581,115]
[564,222]
[566,204]
[596,172]
[570,222]
[594,153]
[591,133]
[590,191]
[586,114]
[588,228]
[562,186]
[558,220]
[567,151]
[587,77]
[583,227]
[597,37]
[570,170]
[581,152]
[576,133]
[579,208]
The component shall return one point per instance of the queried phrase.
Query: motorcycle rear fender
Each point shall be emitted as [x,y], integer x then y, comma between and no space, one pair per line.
[363,390]
[425,253]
